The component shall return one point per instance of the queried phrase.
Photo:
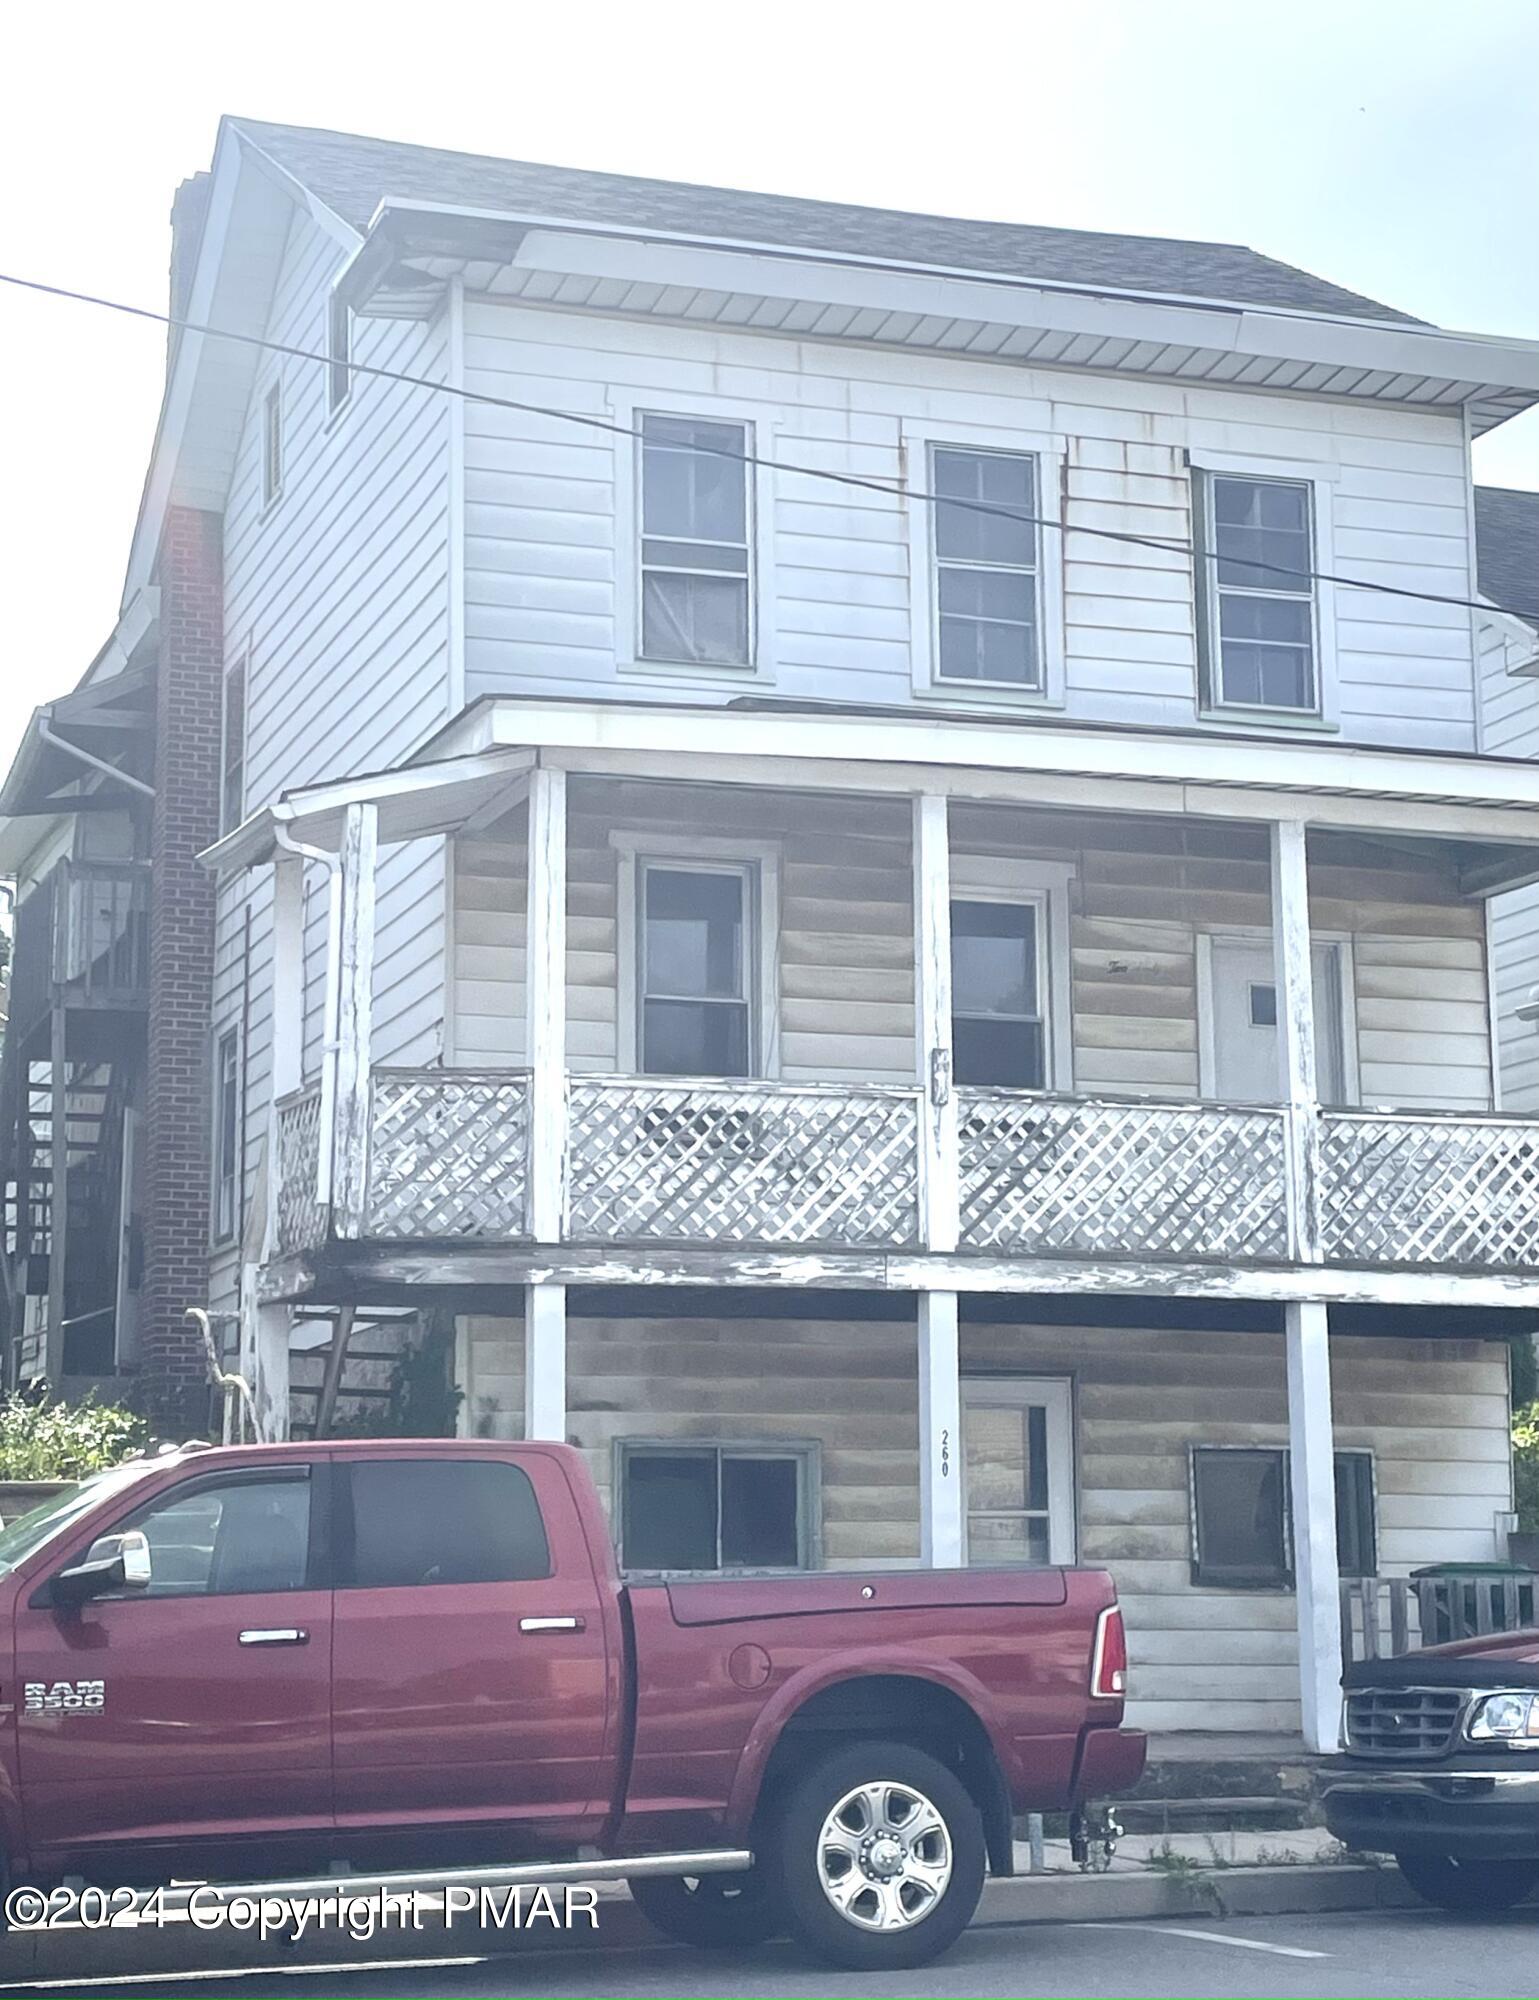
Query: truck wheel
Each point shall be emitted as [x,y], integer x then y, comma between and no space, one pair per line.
[709,1910]
[881,1852]
[1471,1888]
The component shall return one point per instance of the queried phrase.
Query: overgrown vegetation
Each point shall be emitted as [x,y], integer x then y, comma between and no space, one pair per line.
[65,1440]
[1525,1433]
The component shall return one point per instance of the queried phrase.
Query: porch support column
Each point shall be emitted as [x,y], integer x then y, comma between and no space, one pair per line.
[1311,1459]
[288,1023]
[939,1170]
[1294,961]
[545,988]
[941,1510]
[268,1371]
[545,1362]
[355,1016]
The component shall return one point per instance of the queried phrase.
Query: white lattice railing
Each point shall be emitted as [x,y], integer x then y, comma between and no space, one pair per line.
[299,1221]
[1110,1177]
[1422,1187]
[448,1153]
[708,1162]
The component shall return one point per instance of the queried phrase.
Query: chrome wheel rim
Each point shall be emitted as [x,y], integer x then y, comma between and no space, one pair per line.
[884,1857]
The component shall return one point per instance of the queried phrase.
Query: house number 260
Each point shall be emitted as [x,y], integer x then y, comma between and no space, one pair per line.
[945,1454]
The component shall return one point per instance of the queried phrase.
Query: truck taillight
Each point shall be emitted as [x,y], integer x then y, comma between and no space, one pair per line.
[1109,1656]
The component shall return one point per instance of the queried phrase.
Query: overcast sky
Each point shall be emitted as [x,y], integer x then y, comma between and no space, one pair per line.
[1391,145]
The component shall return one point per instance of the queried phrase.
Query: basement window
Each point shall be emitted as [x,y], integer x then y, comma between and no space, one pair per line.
[712,1507]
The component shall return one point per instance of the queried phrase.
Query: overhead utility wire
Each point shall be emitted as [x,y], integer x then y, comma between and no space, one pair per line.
[889,489]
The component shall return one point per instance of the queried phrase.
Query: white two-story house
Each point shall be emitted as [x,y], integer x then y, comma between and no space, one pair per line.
[854,853]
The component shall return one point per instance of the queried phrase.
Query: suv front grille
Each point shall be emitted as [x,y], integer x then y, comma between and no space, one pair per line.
[1402,1722]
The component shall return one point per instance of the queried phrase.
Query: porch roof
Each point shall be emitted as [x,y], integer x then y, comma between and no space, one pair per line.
[476,763]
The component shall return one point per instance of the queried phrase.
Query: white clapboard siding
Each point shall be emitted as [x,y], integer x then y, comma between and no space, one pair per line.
[1140,894]
[337,597]
[542,580]
[1433,1414]
[1510,716]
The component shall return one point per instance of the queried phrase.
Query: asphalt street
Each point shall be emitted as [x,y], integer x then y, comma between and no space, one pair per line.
[1398,1952]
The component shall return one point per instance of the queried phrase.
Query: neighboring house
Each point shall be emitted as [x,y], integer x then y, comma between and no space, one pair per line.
[1507,547]
[911,1028]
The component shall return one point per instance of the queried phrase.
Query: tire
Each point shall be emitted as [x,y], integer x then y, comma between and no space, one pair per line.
[1469,1888]
[710,1910]
[880,1853]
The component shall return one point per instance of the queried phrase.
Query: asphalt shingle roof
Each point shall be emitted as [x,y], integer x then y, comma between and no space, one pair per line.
[351,175]
[1507,548]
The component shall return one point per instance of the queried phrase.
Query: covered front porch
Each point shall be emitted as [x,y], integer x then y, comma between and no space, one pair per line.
[1129,1163]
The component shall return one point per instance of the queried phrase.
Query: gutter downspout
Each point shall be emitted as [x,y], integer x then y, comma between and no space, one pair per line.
[49,734]
[331,1007]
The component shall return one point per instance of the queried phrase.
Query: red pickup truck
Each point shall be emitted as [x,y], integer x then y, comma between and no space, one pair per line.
[248,1663]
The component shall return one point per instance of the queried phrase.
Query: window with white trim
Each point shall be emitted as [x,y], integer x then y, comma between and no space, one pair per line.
[998,1024]
[272,444]
[1257,611]
[339,366]
[232,748]
[985,567]
[709,1506]
[696,538]
[695,963]
[227,1136]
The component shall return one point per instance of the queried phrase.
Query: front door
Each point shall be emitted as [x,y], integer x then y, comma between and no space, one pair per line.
[1243,1029]
[198,1708]
[1018,1458]
[472,1676]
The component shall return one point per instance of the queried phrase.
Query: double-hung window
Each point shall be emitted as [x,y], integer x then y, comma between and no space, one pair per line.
[715,1506]
[696,538]
[986,567]
[696,963]
[1257,611]
[998,1030]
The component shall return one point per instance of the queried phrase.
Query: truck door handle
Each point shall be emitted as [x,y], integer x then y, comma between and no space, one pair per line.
[280,1635]
[550,1625]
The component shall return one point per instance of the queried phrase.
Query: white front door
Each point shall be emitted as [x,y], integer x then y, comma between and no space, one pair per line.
[1244,1023]
[1018,1459]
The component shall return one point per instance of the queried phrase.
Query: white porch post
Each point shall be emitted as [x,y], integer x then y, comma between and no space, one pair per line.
[287,1012]
[545,1362]
[355,1014]
[545,990]
[942,1512]
[938,1162]
[1311,1435]
[1294,962]
[268,1372]
[1312,1466]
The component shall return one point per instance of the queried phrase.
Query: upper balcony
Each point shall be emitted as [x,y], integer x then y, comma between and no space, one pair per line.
[82,939]
[1073,1039]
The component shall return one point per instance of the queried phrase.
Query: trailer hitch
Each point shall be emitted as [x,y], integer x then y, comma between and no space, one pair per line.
[1093,1835]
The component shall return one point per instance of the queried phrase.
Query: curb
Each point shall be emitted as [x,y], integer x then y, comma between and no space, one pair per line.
[1291,1888]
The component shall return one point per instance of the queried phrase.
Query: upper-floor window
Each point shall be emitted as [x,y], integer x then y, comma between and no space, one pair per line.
[696,570]
[1257,599]
[339,369]
[232,748]
[696,964]
[272,444]
[986,567]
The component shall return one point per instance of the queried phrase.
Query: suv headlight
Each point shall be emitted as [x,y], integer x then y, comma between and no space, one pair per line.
[1505,1718]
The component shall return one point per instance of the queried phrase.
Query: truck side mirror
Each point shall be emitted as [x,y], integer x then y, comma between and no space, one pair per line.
[115,1562]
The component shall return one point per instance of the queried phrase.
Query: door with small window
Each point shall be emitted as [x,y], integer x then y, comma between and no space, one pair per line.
[1243,1027]
[1018,1463]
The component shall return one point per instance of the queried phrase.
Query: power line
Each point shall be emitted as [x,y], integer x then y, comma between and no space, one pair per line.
[889,489]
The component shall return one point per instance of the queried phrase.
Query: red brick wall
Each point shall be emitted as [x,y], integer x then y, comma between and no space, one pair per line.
[186,820]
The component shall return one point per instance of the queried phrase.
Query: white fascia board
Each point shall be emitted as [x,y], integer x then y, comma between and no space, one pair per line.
[1377,346]
[1517,632]
[1262,767]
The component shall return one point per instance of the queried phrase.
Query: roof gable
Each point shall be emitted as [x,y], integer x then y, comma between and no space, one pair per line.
[352,175]
[1507,548]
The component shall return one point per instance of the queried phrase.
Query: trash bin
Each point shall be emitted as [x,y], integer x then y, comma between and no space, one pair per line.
[1463,1600]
